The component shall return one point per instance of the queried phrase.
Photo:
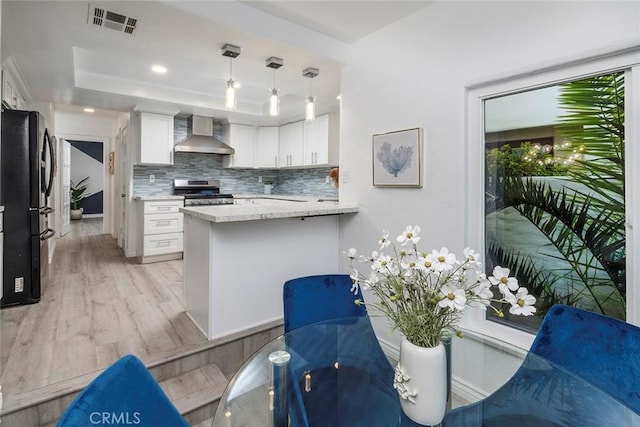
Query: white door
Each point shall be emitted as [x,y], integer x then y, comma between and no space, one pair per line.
[123,180]
[65,176]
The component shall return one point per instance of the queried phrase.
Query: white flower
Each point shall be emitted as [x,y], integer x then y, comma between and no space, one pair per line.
[483,289]
[472,257]
[409,235]
[351,253]
[441,260]
[521,303]
[382,263]
[501,278]
[384,240]
[409,267]
[372,280]
[422,263]
[454,298]
[355,279]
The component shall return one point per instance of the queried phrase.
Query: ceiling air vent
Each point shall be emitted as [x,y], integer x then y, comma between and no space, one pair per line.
[116,21]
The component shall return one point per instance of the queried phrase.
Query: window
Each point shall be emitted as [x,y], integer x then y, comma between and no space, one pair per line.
[552,173]
[554,194]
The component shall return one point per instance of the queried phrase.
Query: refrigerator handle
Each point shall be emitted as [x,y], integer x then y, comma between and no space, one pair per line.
[46,210]
[46,188]
[47,234]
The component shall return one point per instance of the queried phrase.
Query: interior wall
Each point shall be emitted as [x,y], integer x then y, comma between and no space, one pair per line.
[414,73]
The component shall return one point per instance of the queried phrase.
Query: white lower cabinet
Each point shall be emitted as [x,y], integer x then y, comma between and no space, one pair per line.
[162,226]
[160,244]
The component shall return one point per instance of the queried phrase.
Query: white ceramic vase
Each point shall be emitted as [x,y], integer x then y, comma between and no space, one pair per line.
[421,382]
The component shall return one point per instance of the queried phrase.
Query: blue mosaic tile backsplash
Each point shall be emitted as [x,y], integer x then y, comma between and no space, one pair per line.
[305,182]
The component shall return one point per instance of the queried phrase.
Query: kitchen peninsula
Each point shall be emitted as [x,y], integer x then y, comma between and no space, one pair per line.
[237,257]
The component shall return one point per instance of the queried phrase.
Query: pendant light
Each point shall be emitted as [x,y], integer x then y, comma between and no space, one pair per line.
[310,109]
[230,100]
[274,102]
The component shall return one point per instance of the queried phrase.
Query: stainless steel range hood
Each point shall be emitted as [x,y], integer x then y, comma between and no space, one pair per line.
[200,138]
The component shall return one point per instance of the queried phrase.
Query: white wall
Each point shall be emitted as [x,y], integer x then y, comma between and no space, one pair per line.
[413,74]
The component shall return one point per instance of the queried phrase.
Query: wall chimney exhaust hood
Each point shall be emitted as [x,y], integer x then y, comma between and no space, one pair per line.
[200,138]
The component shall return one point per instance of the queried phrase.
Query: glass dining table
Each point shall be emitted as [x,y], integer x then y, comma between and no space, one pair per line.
[334,373]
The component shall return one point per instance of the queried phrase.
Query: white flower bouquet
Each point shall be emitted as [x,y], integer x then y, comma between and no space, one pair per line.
[425,293]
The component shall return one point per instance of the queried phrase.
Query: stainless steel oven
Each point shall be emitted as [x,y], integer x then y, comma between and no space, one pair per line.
[198,192]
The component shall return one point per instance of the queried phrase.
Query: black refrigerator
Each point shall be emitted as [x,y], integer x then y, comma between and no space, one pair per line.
[27,160]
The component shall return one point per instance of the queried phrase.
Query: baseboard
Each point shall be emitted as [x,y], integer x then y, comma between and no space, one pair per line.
[390,350]
[466,391]
[160,258]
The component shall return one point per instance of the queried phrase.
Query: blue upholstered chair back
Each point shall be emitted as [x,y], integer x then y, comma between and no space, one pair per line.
[603,351]
[313,299]
[124,394]
[344,396]
[600,349]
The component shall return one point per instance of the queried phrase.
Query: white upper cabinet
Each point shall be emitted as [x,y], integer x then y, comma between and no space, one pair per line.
[310,145]
[321,140]
[8,90]
[155,134]
[11,96]
[267,147]
[242,138]
[290,151]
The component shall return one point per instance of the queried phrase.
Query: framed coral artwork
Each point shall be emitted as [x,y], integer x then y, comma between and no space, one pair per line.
[397,158]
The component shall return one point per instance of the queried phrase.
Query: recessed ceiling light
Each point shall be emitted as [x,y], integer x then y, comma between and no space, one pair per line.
[338,97]
[89,110]
[159,69]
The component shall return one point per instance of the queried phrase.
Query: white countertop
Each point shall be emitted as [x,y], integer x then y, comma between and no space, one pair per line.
[160,197]
[293,209]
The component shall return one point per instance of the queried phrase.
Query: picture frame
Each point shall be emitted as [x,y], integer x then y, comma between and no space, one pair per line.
[397,158]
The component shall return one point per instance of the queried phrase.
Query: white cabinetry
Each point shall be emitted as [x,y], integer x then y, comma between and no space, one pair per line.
[161,230]
[242,139]
[290,152]
[155,136]
[321,141]
[11,96]
[267,147]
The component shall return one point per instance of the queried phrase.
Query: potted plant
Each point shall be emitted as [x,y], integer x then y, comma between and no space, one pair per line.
[424,294]
[77,197]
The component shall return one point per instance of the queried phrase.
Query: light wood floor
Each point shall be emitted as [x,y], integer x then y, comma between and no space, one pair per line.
[96,306]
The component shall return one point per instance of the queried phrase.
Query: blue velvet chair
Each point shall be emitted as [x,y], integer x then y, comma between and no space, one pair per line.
[600,350]
[312,299]
[124,394]
[347,396]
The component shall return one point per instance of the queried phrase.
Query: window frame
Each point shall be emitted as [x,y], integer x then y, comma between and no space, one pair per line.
[625,58]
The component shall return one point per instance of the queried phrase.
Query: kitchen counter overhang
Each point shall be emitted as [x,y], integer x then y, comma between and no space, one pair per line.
[236,213]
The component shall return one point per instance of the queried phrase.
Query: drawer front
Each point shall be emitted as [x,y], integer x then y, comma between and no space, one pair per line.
[163,223]
[158,244]
[162,206]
